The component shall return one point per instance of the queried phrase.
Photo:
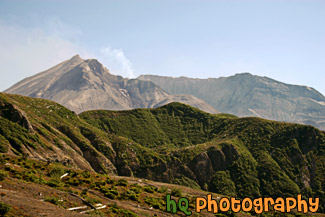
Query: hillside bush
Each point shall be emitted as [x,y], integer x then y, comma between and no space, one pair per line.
[3,175]
[4,209]
[221,183]
[176,192]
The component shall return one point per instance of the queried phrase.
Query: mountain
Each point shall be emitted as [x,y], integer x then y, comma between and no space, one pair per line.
[246,157]
[249,95]
[175,143]
[82,85]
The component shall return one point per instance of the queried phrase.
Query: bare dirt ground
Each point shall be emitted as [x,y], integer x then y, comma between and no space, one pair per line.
[27,199]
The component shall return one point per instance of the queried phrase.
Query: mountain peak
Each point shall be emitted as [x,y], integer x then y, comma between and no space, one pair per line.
[86,84]
[244,74]
[76,57]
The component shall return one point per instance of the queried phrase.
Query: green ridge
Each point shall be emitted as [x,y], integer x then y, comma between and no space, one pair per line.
[175,143]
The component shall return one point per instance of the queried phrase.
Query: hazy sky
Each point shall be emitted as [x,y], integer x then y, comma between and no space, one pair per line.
[284,40]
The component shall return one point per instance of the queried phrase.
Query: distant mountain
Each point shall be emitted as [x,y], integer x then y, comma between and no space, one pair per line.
[82,85]
[249,95]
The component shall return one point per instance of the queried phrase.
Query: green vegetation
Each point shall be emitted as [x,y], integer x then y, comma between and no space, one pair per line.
[53,200]
[56,172]
[222,183]
[82,183]
[155,202]
[122,212]
[257,157]
[176,192]
[150,189]
[246,157]
[3,175]
[4,209]
[122,182]
[175,124]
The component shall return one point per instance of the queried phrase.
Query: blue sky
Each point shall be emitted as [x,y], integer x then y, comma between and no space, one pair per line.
[284,40]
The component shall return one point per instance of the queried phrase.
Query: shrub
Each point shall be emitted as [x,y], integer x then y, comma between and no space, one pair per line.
[56,172]
[53,200]
[129,195]
[176,192]
[3,147]
[122,212]
[4,209]
[156,203]
[110,195]
[137,189]
[85,174]
[30,177]
[84,192]
[2,159]
[163,189]
[122,182]
[221,183]
[109,181]
[92,200]
[53,183]
[150,189]
[73,181]
[3,175]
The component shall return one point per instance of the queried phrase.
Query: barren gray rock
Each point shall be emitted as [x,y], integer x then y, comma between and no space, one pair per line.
[82,85]
[248,95]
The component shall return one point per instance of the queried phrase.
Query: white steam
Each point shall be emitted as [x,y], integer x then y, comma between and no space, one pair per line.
[116,61]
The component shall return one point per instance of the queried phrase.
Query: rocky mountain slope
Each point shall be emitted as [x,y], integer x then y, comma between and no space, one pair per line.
[175,143]
[82,85]
[248,95]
